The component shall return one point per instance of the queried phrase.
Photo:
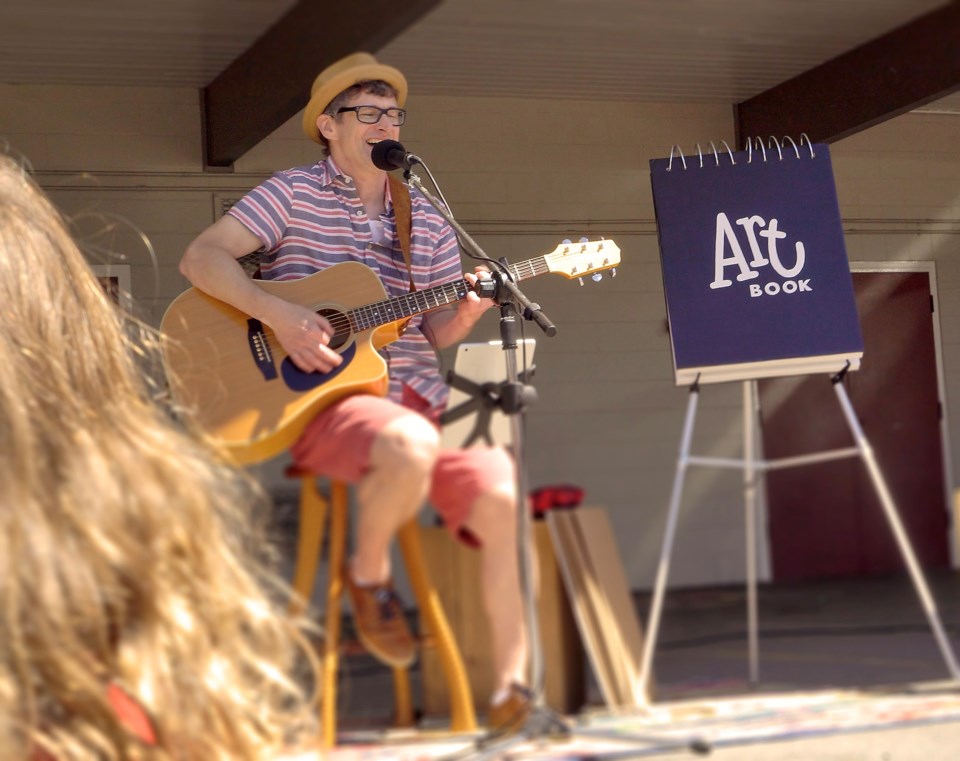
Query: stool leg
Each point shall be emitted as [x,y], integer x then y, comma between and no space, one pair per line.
[402,698]
[338,532]
[313,517]
[463,716]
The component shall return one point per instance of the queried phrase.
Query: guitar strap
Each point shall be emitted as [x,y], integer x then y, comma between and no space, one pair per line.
[400,194]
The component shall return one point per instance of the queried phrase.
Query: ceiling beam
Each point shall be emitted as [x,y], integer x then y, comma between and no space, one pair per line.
[909,67]
[270,81]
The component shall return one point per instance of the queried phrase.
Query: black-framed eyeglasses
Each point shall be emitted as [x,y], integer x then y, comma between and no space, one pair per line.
[372,114]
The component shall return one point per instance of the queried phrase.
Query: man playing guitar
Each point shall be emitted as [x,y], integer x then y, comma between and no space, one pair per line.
[341,209]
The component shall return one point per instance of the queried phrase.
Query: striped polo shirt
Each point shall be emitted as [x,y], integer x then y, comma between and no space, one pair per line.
[310,218]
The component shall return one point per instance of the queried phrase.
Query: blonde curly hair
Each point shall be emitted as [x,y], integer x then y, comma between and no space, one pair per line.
[127,550]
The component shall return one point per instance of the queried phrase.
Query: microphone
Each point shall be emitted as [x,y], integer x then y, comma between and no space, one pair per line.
[389,154]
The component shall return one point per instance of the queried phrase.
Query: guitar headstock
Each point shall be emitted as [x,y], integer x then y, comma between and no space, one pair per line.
[578,259]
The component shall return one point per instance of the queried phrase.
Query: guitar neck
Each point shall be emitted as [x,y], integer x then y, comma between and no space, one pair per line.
[417,302]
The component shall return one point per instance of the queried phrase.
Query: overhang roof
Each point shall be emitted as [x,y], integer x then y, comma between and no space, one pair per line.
[826,67]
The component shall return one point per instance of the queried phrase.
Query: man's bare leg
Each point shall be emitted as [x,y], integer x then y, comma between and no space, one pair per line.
[392,491]
[494,521]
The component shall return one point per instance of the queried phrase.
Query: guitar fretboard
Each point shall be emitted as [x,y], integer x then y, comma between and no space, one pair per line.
[417,302]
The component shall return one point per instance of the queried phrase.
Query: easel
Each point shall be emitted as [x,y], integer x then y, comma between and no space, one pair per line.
[754,468]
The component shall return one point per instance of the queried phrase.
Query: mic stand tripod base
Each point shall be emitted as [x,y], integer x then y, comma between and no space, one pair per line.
[542,722]
[545,724]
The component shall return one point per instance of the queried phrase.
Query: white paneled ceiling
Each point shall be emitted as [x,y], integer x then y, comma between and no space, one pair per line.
[644,50]
[655,50]
[128,42]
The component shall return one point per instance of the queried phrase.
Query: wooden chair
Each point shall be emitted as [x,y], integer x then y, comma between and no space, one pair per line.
[315,509]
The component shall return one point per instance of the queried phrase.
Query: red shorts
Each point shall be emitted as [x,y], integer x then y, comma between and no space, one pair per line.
[337,444]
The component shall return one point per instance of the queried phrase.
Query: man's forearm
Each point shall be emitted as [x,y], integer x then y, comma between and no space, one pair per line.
[447,327]
[220,275]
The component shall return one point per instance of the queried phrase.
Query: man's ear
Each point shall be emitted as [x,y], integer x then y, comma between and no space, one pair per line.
[325,125]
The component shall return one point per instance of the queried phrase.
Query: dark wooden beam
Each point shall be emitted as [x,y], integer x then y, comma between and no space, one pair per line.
[270,81]
[913,65]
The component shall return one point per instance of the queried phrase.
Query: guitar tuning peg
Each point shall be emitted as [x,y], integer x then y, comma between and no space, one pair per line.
[613,272]
[597,277]
[580,280]
[584,239]
[566,241]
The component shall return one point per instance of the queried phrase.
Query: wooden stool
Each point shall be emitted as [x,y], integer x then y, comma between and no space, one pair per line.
[314,508]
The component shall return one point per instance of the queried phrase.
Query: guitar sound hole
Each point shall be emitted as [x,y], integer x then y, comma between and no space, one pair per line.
[341,326]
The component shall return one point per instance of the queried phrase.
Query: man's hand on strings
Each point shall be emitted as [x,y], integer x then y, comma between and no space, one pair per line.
[304,336]
[445,327]
[472,307]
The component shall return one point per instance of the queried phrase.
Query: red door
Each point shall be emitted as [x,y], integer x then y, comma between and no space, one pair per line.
[825,520]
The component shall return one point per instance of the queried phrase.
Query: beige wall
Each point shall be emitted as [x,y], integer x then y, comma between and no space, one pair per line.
[899,190]
[520,176]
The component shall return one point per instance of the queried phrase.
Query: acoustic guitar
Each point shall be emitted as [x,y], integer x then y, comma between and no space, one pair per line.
[231,372]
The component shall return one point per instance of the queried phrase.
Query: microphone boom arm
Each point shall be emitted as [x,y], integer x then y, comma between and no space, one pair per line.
[530,310]
[474,247]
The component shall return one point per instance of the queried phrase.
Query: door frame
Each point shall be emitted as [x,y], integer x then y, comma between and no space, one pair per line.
[930,268]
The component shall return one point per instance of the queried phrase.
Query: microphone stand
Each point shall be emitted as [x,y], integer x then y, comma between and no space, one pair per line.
[531,310]
[542,720]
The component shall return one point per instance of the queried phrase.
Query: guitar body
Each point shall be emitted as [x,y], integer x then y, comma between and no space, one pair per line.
[233,375]
[245,392]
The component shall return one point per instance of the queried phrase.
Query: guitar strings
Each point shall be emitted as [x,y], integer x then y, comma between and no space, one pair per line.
[384,312]
[408,305]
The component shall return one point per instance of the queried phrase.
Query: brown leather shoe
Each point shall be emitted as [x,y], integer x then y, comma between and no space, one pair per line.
[380,623]
[511,714]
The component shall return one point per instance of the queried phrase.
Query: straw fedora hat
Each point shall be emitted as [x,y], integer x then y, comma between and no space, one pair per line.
[338,76]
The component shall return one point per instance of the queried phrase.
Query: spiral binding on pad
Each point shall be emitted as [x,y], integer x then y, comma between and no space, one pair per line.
[751,144]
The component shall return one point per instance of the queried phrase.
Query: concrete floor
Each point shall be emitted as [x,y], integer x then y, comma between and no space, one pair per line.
[855,633]
[844,633]
[851,633]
